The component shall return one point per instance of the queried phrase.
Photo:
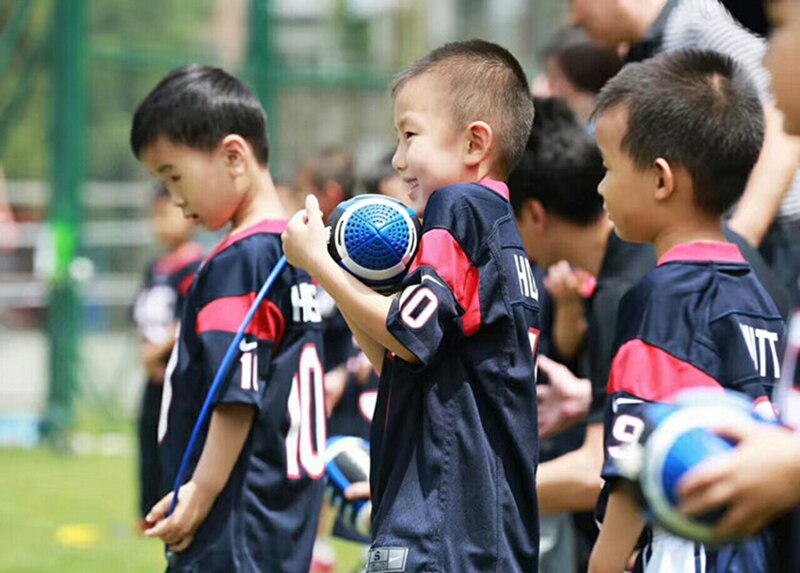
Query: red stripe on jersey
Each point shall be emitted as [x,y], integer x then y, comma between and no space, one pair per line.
[703,251]
[650,373]
[227,313]
[269,226]
[439,250]
[184,285]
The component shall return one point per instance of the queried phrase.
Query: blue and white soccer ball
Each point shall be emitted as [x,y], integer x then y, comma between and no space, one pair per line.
[681,439]
[347,462]
[374,238]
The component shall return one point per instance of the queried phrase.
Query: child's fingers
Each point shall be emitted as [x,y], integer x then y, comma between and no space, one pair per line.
[159,510]
[357,490]
[705,488]
[182,544]
[160,529]
[312,208]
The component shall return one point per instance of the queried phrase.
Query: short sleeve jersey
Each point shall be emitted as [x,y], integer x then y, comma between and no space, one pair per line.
[700,319]
[624,265]
[454,439]
[159,302]
[265,518]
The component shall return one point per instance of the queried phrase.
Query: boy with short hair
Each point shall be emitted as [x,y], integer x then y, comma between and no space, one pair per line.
[454,443]
[253,498]
[692,321]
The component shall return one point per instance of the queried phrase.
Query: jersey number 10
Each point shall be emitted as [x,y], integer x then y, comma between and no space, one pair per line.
[306,407]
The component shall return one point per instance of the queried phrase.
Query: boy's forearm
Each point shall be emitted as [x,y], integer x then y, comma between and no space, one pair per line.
[572,482]
[622,526]
[365,308]
[227,433]
[373,351]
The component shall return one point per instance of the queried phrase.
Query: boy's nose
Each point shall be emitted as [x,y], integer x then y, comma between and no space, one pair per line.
[398,160]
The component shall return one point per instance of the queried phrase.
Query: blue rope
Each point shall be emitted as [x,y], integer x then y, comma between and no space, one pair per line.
[223,369]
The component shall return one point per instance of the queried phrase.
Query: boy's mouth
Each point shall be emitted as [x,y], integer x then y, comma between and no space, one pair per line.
[413,184]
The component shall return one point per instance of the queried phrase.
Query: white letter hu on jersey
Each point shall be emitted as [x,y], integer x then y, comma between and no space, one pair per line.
[527,284]
[756,340]
[304,303]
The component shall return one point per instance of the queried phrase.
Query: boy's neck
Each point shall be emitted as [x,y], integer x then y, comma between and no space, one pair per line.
[691,231]
[178,247]
[260,202]
[645,15]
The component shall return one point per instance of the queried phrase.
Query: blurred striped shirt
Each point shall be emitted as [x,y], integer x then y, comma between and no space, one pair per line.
[706,24]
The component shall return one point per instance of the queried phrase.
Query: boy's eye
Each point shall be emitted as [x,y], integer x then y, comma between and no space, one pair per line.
[175,178]
[409,134]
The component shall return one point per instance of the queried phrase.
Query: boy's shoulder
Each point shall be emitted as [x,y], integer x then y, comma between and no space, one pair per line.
[486,191]
[239,261]
[469,212]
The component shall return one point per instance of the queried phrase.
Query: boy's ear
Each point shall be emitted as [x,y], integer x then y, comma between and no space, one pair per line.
[666,175]
[235,151]
[533,214]
[479,142]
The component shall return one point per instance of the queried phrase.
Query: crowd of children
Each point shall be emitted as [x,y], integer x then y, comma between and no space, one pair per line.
[618,194]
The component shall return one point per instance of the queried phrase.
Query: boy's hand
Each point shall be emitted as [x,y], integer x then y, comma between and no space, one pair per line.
[757,482]
[177,531]
[357,490]
[305,240]
[563,402]
[565,283]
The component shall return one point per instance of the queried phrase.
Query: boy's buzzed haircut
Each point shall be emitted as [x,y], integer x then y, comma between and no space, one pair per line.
[485,82]
[694,108]
[561,166]
[197,106]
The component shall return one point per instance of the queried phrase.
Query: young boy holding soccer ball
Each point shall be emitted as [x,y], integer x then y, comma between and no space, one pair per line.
[679,135]
[454,438]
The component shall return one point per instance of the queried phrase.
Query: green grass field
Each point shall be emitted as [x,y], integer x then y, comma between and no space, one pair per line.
[76,514]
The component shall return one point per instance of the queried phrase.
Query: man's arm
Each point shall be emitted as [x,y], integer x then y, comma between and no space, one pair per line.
[230,425]
[770,180]
[572,482]
[621,528]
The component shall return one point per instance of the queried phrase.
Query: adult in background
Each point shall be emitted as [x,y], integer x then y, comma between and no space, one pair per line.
[768,214]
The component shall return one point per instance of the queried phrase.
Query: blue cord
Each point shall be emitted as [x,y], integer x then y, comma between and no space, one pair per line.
[223,369]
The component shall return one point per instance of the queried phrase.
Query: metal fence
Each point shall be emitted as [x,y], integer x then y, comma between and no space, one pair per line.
[71,74]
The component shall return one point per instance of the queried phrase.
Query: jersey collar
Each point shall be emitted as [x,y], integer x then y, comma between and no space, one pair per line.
[269,226]
[497,186]
[703,251]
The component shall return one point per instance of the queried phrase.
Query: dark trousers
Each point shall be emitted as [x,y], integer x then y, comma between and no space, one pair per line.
[151,487]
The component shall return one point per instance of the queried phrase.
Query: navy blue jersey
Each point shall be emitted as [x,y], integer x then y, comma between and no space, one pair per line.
[159,302]
[265,518]
[700,319]
[454,439]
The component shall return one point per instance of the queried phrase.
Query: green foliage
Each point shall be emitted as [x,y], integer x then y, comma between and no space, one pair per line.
[130,45]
